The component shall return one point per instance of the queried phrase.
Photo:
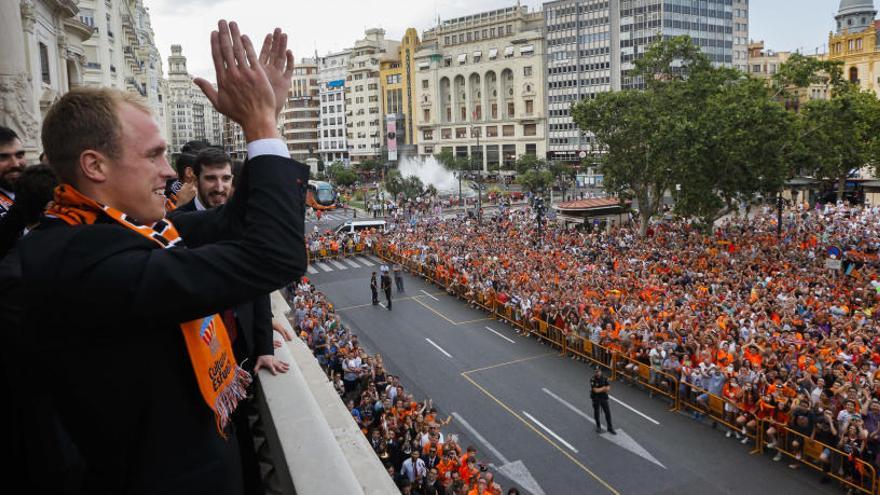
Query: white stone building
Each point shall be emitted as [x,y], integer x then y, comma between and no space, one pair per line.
[363,102]
[122,52]
[301,113]
[43,58]
[480,87]
[332,70]
[189,112]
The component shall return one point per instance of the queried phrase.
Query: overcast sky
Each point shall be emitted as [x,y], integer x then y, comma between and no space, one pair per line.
[331,25]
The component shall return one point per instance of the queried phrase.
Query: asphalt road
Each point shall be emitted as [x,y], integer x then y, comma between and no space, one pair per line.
[526,409]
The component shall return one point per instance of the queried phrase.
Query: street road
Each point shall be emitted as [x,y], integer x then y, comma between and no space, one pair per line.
[528,411]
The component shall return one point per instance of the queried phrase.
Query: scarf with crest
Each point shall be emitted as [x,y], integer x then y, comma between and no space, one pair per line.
[221,381]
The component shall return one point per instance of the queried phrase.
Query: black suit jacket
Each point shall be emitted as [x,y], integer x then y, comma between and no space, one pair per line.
[254,318]
[103,306]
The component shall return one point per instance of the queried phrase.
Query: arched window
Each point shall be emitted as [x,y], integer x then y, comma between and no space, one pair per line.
[854,74]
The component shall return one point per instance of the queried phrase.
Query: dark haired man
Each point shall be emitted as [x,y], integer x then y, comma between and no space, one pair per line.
[12,163]
[213,178]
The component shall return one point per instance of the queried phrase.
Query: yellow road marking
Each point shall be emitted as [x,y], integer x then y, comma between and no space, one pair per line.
[441,315]
[537,431]
[358,306]
[515,361]
[472,321]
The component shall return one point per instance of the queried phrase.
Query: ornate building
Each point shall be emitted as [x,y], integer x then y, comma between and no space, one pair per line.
[397,79]
[301,114]
[189,112]
[43,58]
[856,43]
[480,87]
[332,70]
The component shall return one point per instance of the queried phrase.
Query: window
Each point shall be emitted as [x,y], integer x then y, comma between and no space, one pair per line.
[446,134]
[507,131]
[426,115]
[462,59]
[461,133]
[508,52]
[510,111]
[493,53]
[508,155]
[424,84]
[527,71]
[494,110]
[44,64]
[491,131]
[530,130]
[428,135]
[530,107]
[532,149]
[393,79]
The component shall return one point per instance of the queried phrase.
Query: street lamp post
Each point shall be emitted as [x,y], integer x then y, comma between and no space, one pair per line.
[479,177]
[539,209]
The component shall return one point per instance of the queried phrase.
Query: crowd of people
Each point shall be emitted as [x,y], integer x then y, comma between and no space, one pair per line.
[759,321]
[405,433]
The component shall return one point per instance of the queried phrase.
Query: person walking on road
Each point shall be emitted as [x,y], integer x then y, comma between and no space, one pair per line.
[374,289]
[398,276]
[599,388]
[386,287]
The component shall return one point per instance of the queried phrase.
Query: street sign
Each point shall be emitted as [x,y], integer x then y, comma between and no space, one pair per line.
[833,264]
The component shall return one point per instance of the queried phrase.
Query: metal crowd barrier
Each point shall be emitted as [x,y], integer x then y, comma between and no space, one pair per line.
[854,473]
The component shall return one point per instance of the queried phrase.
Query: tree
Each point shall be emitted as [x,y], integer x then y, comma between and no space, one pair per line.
[528,162]
[535,181]
[410,187]
[842,135]
[345,177]
[708,135]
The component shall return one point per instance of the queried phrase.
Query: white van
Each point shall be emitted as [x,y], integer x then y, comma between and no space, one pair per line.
[352,226]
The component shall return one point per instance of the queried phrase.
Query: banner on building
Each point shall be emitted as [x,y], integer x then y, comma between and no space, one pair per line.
[391,133]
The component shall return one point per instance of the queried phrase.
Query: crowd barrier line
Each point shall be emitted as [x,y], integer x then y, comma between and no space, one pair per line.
[683,396]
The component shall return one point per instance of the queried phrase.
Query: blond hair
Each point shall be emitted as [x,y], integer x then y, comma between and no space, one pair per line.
[85,119]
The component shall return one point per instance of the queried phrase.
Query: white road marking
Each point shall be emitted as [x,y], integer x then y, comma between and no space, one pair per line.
[516,470]
[338,265]
[428,294]
[438,347]
[312,270]
[635,410]
[365,261]
[377,260]
[323,266]
[500,335]
[467,426]
[551,432]
[621,439]
[351,263]
[383,305]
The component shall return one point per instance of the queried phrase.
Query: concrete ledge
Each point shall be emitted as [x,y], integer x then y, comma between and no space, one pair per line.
[315,445]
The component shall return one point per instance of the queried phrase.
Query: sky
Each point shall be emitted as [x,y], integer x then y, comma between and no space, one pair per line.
[332,25]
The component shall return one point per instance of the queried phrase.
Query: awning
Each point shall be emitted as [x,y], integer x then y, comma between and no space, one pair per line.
[493,52]
[508,51]
[462,58]
[527,50]
[424,65]
[477,54]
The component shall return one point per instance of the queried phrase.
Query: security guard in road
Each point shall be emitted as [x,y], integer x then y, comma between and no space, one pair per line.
[599,388]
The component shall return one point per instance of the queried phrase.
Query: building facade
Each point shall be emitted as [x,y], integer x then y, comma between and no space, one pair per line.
[43,58]
[301,114]
[397,80]
[764,64]
[480,88]
[592,46]
[332,70]
[190,114]
[856,43]
[363,94]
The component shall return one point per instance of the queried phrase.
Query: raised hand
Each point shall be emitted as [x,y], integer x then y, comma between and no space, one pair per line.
[277,62]
[244,93]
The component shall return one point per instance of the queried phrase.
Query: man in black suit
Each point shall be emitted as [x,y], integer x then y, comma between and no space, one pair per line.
[249,323]
[113,295]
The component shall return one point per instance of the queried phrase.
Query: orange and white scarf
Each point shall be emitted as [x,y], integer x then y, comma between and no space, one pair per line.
[221,381]
[5,204]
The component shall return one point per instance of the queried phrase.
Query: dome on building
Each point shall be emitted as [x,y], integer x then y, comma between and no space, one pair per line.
[855,7]
[855,16]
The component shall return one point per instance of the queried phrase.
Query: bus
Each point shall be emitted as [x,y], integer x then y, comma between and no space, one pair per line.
[321,195]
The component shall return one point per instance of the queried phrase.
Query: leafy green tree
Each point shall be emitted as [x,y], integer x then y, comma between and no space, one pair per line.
[534,180]
[842,134]
[529,162]
[345,177]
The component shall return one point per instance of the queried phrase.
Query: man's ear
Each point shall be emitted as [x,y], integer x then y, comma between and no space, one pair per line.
[93,165]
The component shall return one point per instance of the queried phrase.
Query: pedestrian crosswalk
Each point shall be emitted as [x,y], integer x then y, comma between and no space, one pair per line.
[333,217]
[340,264]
